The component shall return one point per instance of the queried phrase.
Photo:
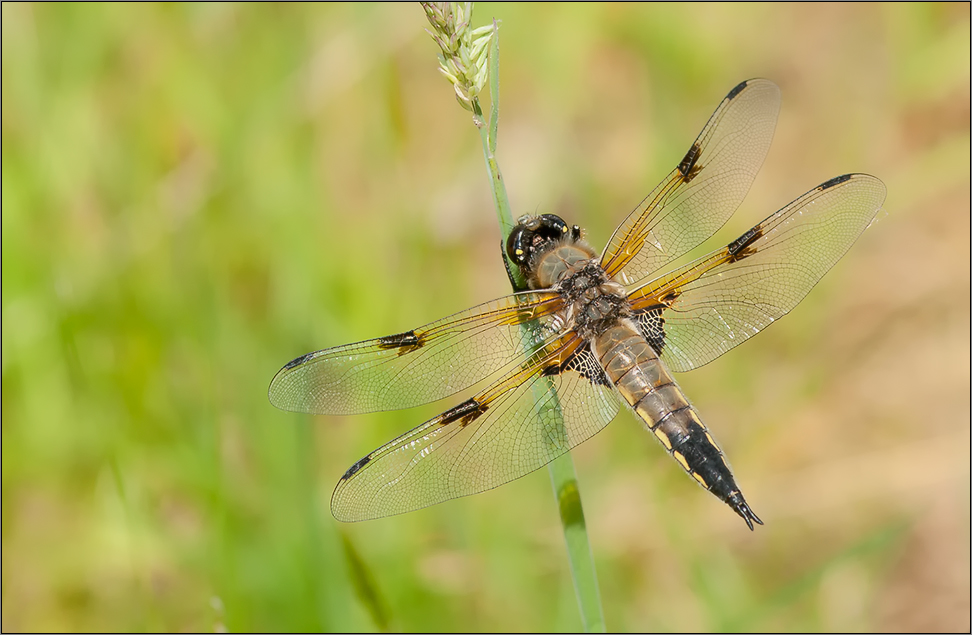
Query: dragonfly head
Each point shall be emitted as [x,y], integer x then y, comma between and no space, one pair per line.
[535,235]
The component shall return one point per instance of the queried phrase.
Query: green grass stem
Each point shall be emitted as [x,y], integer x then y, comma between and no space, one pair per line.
[563,477]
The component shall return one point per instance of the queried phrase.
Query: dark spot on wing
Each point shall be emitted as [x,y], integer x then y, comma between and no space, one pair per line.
[466,412]
[671,296]
[584,362]
[354,468]
[689,167]
[742,246]
[552,371]
[738,89]
[406,342]
[297,362]
[652,326]
[834,181]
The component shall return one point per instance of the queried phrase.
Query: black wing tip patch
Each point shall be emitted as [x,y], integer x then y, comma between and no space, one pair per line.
[273,393]
[837,180]
[297,362]
[354,468]
[738,89]
[405,342]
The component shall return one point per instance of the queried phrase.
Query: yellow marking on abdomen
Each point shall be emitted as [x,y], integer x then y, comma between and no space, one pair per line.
[663,437]
[681,459]
[701,480]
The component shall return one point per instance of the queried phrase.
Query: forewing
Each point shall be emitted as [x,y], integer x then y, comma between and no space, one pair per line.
[699,312]
[421,365]
[700,195]
[501,434]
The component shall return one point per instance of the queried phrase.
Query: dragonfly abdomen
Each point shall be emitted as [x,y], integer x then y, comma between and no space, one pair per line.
[642,379]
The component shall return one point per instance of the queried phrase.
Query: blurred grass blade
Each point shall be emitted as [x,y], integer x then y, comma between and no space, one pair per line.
[364,584]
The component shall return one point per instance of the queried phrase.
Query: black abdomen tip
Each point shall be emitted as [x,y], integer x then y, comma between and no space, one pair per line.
[739,505]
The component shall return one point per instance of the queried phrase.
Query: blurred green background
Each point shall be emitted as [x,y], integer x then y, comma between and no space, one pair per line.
[195,194]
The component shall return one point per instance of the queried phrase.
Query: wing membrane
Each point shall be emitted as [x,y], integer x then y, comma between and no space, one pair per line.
[421,365]
[502,434]
[708,307]
[700,195]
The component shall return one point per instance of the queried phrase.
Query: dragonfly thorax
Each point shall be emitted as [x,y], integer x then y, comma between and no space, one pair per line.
[594,301]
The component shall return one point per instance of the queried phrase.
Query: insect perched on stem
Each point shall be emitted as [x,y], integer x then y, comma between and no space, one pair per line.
[601,331]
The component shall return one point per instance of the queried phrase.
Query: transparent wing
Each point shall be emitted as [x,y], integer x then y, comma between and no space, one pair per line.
[421,365]
[699,312]
[700,195]
[500,435]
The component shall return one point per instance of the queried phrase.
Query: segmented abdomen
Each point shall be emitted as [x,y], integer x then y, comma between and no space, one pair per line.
[645,383]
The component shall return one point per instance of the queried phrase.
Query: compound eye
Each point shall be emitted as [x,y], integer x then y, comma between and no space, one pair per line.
[518,244]
[552,226]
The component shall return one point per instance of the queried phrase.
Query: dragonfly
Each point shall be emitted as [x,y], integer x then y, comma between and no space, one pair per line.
[589,334]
